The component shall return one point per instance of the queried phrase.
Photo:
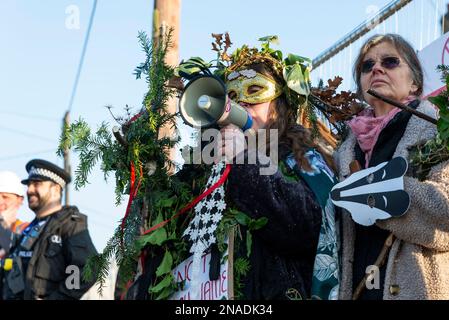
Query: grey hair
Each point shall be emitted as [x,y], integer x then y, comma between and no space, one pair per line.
[406,52]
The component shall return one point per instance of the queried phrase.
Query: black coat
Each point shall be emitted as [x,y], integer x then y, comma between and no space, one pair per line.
[283,251]
[46,273]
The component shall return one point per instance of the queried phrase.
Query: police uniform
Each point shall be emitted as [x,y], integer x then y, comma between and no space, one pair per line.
[49,258]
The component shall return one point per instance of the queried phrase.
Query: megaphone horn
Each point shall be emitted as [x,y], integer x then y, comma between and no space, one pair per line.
[204,102]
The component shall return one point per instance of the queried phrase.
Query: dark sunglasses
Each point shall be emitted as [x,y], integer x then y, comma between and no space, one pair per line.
[387,63]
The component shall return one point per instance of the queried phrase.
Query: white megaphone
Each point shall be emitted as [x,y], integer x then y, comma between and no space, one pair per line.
[204,103]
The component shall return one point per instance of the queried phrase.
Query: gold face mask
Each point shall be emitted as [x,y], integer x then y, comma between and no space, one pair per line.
[252,87]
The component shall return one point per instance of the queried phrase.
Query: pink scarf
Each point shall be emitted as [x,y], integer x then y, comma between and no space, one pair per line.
[367,127]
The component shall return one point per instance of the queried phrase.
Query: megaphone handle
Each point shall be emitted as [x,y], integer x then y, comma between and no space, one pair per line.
[224,119]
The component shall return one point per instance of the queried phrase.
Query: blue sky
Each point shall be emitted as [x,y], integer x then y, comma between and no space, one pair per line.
[39,57]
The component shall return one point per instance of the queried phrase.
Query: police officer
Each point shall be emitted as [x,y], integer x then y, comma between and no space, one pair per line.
[48,261]
[11,199]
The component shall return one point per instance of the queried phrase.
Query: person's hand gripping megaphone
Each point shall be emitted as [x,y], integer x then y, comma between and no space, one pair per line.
[233,142]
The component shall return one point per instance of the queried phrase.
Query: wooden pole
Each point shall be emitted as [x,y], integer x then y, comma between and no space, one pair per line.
[402,106]
[167,15]
[231,265]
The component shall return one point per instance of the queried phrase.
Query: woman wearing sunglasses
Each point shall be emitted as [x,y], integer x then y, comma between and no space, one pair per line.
[417,244]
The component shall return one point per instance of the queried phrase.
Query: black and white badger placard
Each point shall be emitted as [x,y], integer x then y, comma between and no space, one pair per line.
[375,193]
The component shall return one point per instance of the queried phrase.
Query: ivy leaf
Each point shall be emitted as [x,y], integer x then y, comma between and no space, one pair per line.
[242,218]
[270,39]
[443,129]
[439,101]
[199,61]
[257,224]
[192,67]
[186,74]
[166,292]
[166,282]
[294,77]
[444,117]
[249,242]
[277,54]
[307,77]
[166,264]
[156,237]
[293,58]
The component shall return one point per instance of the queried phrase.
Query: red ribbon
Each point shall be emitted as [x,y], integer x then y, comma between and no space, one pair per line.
[134,118]
[194,202]
[132,194]
[183,210]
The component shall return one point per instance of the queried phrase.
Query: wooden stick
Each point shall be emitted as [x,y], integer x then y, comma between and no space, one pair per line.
[231,265]
[402,106]
[119,137]
[379,263]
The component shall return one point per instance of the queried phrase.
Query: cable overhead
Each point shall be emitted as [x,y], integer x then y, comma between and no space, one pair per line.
[26,134]
[66,121]
[23,155]
[29,116]
[83,53]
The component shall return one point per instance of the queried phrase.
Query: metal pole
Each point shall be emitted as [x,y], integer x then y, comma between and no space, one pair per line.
[359,31]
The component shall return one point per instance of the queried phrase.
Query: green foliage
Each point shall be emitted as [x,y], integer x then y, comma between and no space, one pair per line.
[157,72]
[252,225]
[435,151]
[192,67]
[156,238]
[91,148]
[287,173]
[241,269]
[159,197]
[227,223]
[441,101]
[166,264]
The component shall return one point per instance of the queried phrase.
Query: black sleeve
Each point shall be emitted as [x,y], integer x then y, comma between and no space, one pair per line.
[294,216]
[6,237]
[77,248]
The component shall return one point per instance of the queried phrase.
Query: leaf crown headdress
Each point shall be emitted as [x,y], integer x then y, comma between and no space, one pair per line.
[293,71]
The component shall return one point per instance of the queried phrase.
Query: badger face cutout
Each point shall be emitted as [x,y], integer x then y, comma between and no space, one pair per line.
[375,193]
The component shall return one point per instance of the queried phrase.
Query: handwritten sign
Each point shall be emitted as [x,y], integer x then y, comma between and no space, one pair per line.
[209,290]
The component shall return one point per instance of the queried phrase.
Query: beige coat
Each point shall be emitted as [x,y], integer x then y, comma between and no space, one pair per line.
[418,262]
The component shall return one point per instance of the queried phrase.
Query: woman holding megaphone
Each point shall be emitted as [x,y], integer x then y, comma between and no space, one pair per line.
[289,218]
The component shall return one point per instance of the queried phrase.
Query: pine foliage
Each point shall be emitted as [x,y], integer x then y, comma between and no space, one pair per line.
[159,195]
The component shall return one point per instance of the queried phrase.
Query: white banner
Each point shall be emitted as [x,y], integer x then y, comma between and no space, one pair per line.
[431,56]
